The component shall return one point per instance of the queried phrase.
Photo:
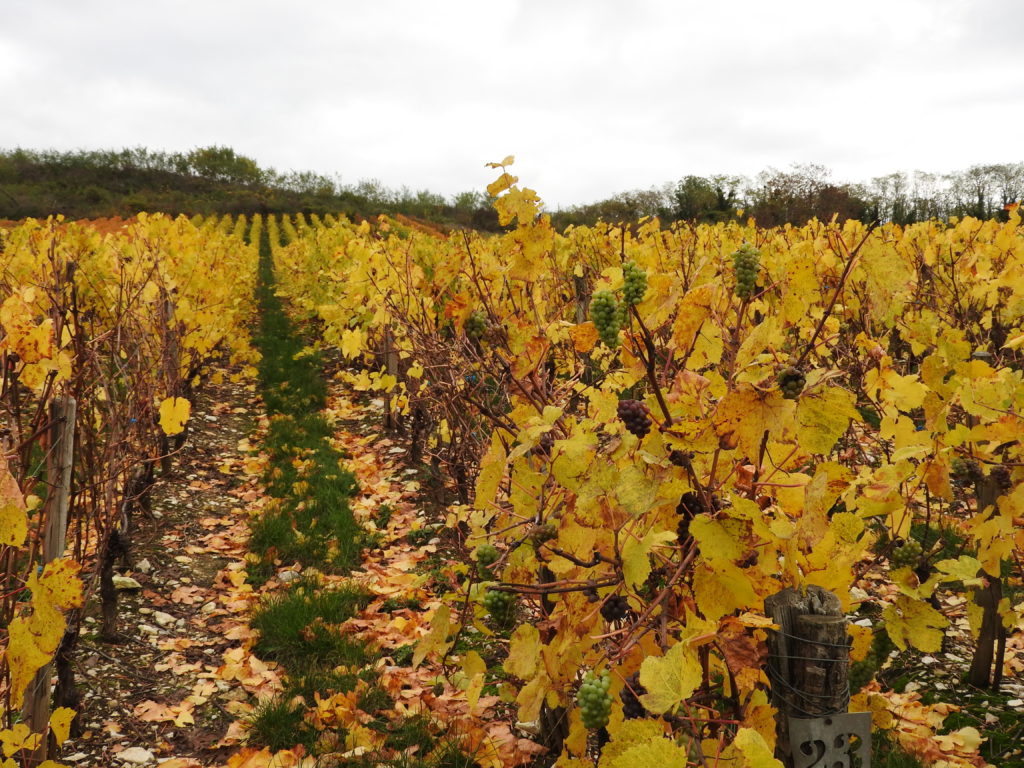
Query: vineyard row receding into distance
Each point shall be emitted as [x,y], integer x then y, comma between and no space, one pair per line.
[632,437]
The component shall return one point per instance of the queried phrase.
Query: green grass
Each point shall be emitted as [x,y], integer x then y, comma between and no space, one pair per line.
[295,627]
[311,522]
[280,725]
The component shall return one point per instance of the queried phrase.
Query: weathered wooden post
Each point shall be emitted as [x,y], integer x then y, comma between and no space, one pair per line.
[59,461]
[808,666]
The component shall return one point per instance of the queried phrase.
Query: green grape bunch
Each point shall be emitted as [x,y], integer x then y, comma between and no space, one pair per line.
[607,317]
[543,532]
[745,264]
[500,605]
[906,555]
[635,283]
[791,382]
[486,554]
[594,701]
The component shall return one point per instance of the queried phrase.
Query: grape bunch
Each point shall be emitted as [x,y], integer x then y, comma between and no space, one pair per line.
[543,532]
[501,606]
[486,554]
[636,416]
[689,507]
[594,702]
[631,693]
[965,471]
[544,445]
[476,325]
[745,261]
[615,608]
[791,382]
[635,286]
[907,554]
[607,317]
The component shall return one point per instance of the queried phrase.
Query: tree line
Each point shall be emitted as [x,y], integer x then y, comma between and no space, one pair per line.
[218,180]
[806,191]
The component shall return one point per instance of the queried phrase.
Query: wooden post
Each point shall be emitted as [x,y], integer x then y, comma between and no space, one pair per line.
[391,420]
[59,461]
[808,662]
[990,650]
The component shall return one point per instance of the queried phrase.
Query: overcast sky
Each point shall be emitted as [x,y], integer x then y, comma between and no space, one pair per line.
[593,97]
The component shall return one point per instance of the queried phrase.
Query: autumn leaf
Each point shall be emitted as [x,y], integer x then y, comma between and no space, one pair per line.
[33,638]
[13,522]
[914,624]
[60,723]
[670,679]
[636,561]
[523,652]
[174,412]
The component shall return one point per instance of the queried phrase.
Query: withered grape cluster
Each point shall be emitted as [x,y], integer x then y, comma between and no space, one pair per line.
[635,283]
[791,382]
[745,264]
[594,701]
[543,532]
[476,324]
[635,416]
[607,317]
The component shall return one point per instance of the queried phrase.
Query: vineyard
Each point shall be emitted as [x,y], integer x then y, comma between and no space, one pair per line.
[522,499]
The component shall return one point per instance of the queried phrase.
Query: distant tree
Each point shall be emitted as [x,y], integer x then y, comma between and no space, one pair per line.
[222,164]
[699,198]
[803,193]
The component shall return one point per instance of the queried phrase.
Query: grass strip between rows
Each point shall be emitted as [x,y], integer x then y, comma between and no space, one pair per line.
[308,522]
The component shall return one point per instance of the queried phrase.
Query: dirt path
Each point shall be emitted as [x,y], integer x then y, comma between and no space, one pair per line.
[179,679]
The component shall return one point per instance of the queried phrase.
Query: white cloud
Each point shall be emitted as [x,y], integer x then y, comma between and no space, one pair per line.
[593,96]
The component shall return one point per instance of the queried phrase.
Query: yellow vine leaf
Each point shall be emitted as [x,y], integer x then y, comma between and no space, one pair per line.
[636,561]
[17,738]
[474,668]
[750,750]
[965,569]
[745,414]
[670,679]
[521,204]
[60,723]
[914,624]
[523,652]
[13,520]
[352,342]
[694,309]
[492,468]
[584,337]
[33,638]
[435,639]
[174,412]
[823,418]
[656,753]
[629,733]
[721,588]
